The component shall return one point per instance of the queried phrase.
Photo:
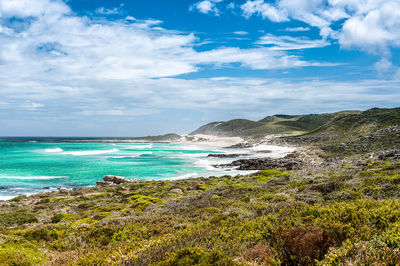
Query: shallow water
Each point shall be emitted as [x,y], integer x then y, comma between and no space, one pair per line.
[27,167]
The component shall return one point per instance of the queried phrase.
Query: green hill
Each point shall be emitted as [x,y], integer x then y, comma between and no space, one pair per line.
[166,137]
[355,132]
[276,124]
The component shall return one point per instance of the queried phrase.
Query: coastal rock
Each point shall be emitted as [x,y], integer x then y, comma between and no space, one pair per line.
[225,155]
[240,146]
[265,151]
[104,183]
[116,180]
[393,154]
[264,164]
[177,191]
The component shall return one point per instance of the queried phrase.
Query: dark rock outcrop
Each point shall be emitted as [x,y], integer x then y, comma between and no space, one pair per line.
[240,146]
[115,180]
[393,154]
[264,164]
[224,155]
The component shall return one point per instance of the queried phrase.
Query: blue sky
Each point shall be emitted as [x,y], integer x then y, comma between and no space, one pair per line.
[131,68]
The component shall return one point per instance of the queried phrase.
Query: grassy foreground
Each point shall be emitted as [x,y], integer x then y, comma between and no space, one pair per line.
[339,214]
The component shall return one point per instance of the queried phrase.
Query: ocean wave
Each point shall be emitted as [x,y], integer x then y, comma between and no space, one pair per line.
[137,146]
[54,150]
[130,156]
[148,146]
[207,164]
[7,197]
[190,148]
[94,152]
[32,177]
[124,157]
[190,175]
[189,155]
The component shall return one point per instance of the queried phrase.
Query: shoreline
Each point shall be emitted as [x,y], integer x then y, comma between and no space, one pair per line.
[253,150]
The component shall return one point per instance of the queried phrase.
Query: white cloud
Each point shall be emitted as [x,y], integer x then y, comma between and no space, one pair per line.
[297,29]
[109,11]
[383,65]
[62,66]
[206,6]
[373,30]
[397,74]
[265,10]
[290,43]
[370,25]
[241,32]
[28,8]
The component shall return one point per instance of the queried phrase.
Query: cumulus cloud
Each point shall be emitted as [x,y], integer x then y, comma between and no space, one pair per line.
[369,25]
[375,28]
[206,6]
[265,10]
[56,64]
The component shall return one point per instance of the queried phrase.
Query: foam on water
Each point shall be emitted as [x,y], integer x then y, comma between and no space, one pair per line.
[27,167]
[6,197]
[31,177]
[94,152]
[130,156]
[185,176]
[54,150]
[205,163]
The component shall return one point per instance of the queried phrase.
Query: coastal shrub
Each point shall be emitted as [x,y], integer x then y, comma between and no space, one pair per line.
[197,256]
[102,235]
[326,187]
[85,205]
[101,215]
[267,196]
[303,245]
[92,259]
[266,175]
[327,216]
[373,252]
[261,254]
[40,234]
[19,217]
[19,198]
[141,202]
[278,198]
[63,217]
[23,254]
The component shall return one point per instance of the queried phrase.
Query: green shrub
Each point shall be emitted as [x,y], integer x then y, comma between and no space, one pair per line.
[19,198]
[19,217]
[197,256]
[63,217]
[20,254]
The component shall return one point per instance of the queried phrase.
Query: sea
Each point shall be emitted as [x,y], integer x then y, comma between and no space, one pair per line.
[27,166]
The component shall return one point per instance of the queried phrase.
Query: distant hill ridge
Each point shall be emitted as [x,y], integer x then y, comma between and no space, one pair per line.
[276,124]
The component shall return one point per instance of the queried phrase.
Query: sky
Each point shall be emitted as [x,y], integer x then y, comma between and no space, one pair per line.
[147,67]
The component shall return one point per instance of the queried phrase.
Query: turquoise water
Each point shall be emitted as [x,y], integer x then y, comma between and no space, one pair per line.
[27,167]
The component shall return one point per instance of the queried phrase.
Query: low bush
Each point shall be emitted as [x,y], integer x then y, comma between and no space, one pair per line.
[19,217]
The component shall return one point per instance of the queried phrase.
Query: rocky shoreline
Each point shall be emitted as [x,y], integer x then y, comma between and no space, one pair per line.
[289,162]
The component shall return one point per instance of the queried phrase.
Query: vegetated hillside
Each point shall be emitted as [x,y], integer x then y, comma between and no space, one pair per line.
[346,214]
[236,127]
[276,124]
[166,137]
[372,130]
